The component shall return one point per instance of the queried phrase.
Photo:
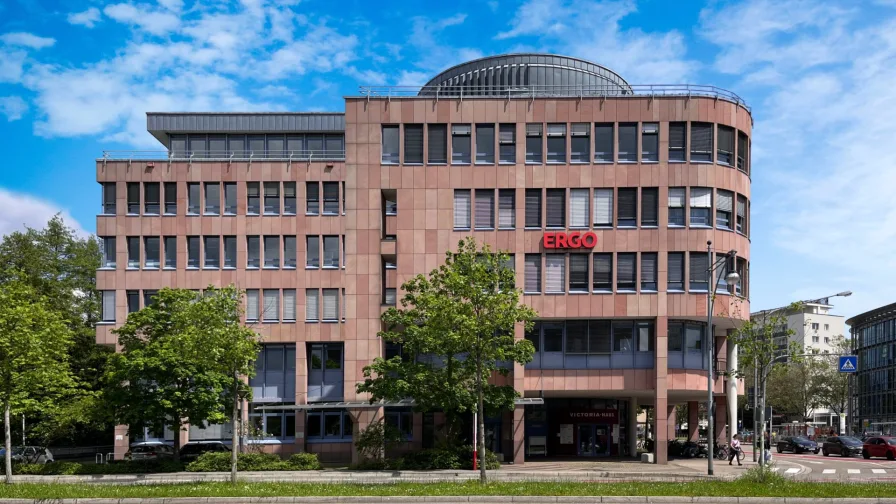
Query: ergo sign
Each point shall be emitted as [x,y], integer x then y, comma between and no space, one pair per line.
[570,240]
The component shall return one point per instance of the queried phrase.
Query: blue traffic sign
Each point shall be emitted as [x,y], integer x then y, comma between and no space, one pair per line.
[848,364]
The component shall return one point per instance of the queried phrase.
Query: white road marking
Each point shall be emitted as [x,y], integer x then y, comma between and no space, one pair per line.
[814,462]
[792,470]
[854,471]
[879,471]
[829,471]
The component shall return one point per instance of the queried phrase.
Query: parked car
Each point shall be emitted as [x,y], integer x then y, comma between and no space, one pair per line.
[797,444]
[29,455]
[880,447]
[192,451]
[845,446]
[150,450]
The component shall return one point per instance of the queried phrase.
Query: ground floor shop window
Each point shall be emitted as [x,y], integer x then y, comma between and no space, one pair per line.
[272,425]
[330,426]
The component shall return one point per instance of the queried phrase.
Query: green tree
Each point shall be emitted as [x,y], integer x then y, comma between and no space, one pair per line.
[34,345]
[456,329]
[793,389]
[61,267]
[833,386]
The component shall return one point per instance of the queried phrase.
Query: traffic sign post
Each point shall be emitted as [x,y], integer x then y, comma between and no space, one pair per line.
[848,364]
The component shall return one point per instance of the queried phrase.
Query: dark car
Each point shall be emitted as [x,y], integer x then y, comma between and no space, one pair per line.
[29,455]
[151,450]
[845,446]
[797,444]
[192,451]
[880,447]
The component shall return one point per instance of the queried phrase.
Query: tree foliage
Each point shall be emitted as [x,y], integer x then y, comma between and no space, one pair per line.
[833,386]
[793,389]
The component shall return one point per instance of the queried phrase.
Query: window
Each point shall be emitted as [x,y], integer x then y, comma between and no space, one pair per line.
[675,281]
[253,198]
[815,327]
[741,213]
[217,146]
[312,252]
[438,144]
[170,198]
[331,251]
[485,144]
[229,252]
[312,310]
[199,146]
[331,198]
[194,205]
[676,206]
[815,339]
[390,145]
[603,208]
[578,208]
[389,296]
[151,252]
[149,297]
[827,340]
[506,208]
[649,206]
[252,305]
[533,208]
[343,198]
[694,337]
[193,252]
[650,143]
[413,144]
[272,252]
[108,252]
[533,273]
[289,198]
[507,143]
[331,305]
[742,151]
[534,147]
[725,148]
[462,209]
[648,271]
[312,198]
[580,143]
[315,145]
[553,337]
[626,271]
[109,196]
[272,198]
[330,425]
[701,142]
[576,337]
[236,144]
[133,298]
[603,272]
[271,305]
[701,203]
[402,420]
[534,336]
[212,252]
[699,274]
[390,205]
[827,327]
[133,243]
[556,143]
[627,211]
[623,336]
[151,198]
[460,143]
[212,198]
[108,314]
[675,336]
[555,273]
[724,207]
[678,134]
[603,142]
[599,337]
[578,272]
[289,252]
[556,208]
[133,198]
[485,209]
[253,252]
[628,142]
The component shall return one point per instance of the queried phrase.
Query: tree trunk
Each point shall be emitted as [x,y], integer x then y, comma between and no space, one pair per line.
[480,430]
[177,427]
[7,458]
[234,427]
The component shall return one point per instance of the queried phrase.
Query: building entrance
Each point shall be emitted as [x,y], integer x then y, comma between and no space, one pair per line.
[593,440]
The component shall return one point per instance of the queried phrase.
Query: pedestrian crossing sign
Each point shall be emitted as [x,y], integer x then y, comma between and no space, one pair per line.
[848,363]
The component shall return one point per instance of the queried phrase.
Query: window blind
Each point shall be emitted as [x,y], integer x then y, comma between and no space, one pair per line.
[507,143]
[312,197]
[438,143]
[556,211]
[507,134]
[331,304]
[253,198]
[676,197]
[533,130]
[390,297]
[625,270]
[701,197]
[485,208]
[628,206]
[556,129]
[677,141]
[461,208]
[253,246]
[649,204]
[533,273]
[725,201]
[109,306]
[676,270]
[311,304]
[578,207]
[506,208]
[413,143]
[701,141]
[555,273]
[271,305]
[603,207]
[580,129]
[648,269]
[312,251]
[578,272]
[650,142]
[533,208]
[741,212]
[603,143]
[603,271]
[251,305]
[699,266]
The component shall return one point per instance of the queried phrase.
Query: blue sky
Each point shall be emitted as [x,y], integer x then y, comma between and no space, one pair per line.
[76,77]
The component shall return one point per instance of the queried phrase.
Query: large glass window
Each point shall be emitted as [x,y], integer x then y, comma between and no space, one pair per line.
[133,196]
[312,251]
[312,198]
[133,243]
[603,142]
[438,143]
[628,142]
[650,142]
[701,142]
[390,144]
[460,144]
[193,252]
[108,252]
[329,425]
[331,252]
[534,141]
[272,198]
[557,143]
[462,208]
[627,212]
[623,336]
[413,144]
[678,141]
[402,420]
[289,252]
[230,252]
[170,243]
[272,252]
[229,198]
[507,144]
[275,374]
[701,205]
[289,198]
[194,205]
[331,198]
[253,198]
[253,252]
[533,208]
[485,144]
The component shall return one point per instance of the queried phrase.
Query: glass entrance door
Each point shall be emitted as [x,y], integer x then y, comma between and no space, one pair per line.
[586,440]
[594,440]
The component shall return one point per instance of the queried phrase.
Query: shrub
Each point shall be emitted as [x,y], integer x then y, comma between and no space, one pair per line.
[376,439]
[448,457]
[304,462]
[220,462]
[122,467]
[763,475]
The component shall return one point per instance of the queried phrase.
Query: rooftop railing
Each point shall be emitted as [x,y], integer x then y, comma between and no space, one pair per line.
[552,91]
[226,155]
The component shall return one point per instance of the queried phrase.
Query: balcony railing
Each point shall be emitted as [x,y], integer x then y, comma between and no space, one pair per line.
[226,155]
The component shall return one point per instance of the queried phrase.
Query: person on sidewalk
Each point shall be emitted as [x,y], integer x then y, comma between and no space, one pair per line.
[735,447]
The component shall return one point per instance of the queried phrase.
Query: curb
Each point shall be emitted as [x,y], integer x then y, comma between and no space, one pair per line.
[461,500]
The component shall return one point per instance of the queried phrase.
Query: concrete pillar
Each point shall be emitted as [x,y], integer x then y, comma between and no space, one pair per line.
[519,435]
[300,431]
[121,441]
[660,403]
[732,389]
[672,423]
[721,417]
[693,421]
[632,427]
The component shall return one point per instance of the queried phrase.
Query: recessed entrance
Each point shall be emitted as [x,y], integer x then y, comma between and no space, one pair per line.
[593,440]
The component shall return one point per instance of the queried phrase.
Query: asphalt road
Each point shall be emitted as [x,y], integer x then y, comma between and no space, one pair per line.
[832,468]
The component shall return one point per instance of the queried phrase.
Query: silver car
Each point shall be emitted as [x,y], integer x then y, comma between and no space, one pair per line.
[31,455]
[149,451]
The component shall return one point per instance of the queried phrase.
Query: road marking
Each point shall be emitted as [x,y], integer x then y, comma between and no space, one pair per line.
[829,471]
[814,462]
[878,471]
[853,471]
[792,470]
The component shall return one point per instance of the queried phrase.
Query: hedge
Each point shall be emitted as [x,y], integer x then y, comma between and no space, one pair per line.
[450,457]
[220,462]
[207,462]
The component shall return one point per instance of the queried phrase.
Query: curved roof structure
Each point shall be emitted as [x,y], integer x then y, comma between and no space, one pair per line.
[527,74]
[882,313]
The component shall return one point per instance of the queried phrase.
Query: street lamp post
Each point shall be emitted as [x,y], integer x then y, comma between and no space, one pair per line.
[732,278]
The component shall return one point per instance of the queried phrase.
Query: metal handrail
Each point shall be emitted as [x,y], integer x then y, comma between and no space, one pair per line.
[225,155]
[545,90]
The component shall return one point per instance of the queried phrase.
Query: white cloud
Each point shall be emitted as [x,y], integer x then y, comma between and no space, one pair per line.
[11,65]
[87,18]
[172,5]
[13,107]
[24,39]
[150,20]
[410,78]
[434,54]
[18,210]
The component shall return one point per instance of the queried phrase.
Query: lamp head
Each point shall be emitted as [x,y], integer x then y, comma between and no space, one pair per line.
[732,278]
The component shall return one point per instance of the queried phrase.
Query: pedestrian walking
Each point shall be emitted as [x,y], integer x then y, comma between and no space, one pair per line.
[735,447]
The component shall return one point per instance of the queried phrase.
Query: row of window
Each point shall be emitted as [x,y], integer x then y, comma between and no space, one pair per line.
[263,146]
[613,142]
[206,252]
[477,209]
[595,273]
[876,333]
[262,198]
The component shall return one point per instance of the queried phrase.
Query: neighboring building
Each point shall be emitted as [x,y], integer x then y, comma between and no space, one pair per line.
[604,193]
[874,385]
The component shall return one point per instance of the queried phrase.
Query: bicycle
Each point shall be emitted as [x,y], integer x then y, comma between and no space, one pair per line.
[724,453]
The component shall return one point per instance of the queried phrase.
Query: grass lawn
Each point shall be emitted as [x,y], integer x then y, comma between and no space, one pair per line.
[711,489]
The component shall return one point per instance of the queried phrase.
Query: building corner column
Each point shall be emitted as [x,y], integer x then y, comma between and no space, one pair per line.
[693,421]
[732,389]
[519,435]
[632,427]
[121,442]
[661,395]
